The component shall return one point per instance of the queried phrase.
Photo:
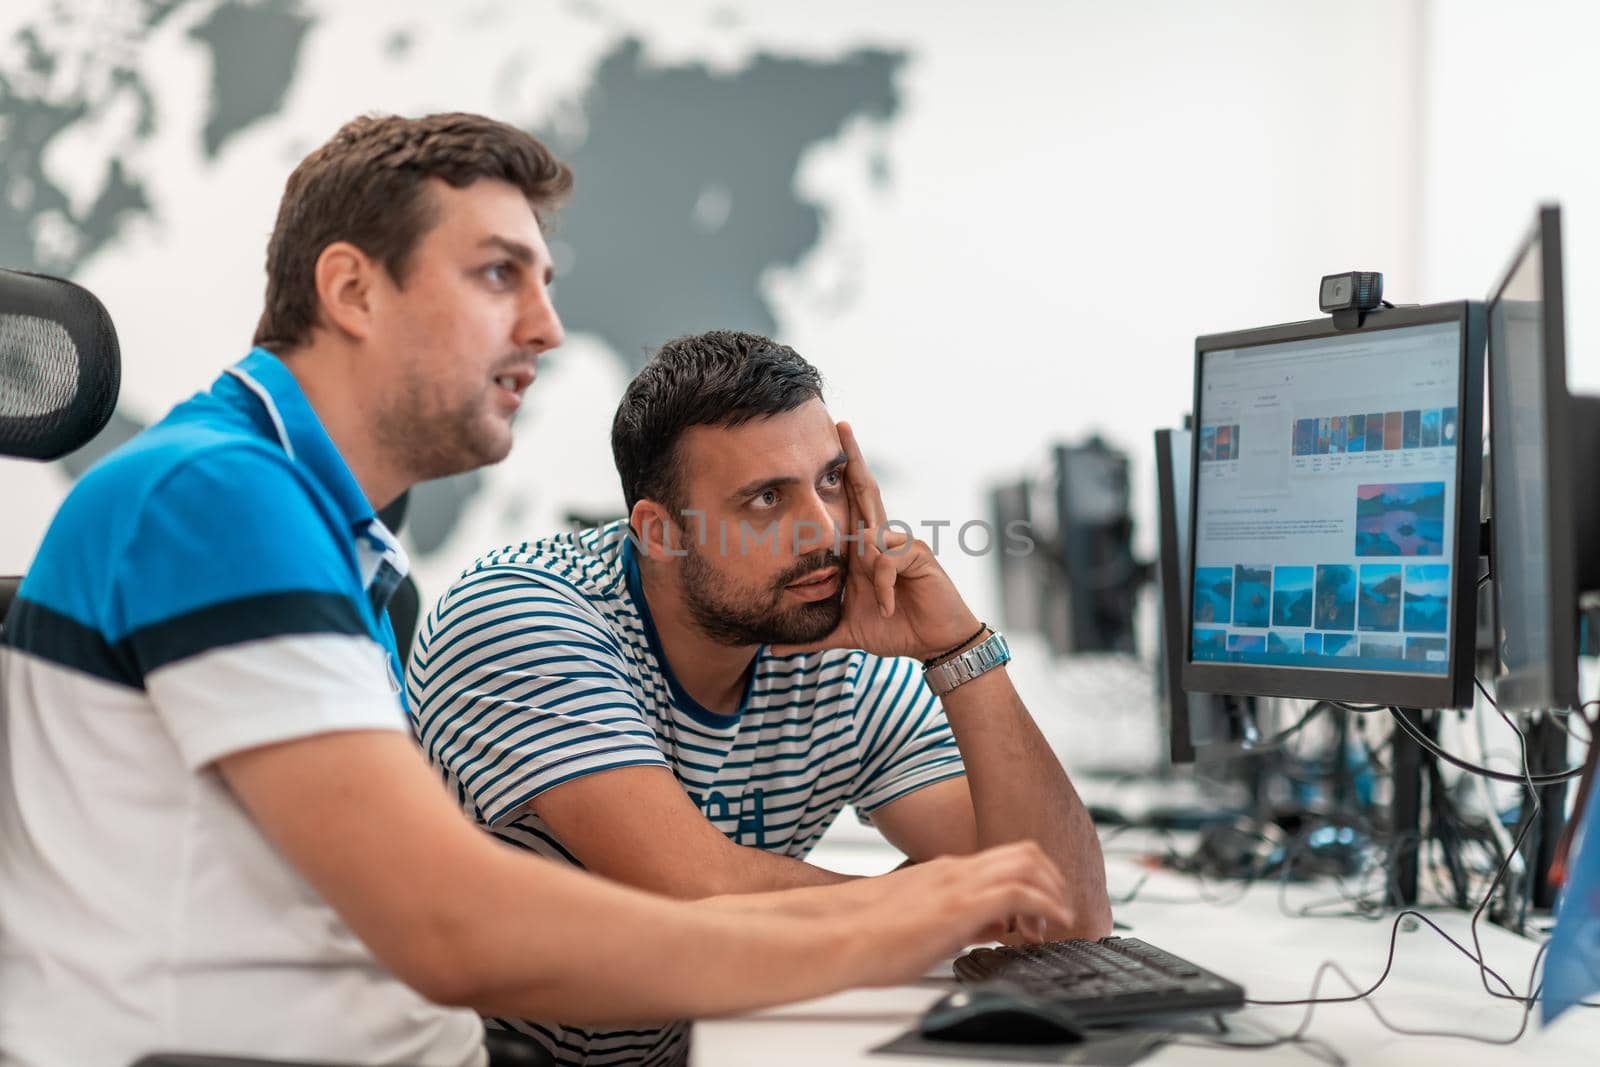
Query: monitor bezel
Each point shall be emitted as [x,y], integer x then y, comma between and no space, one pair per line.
[1452,689]
[1180,742]
[1179,704]
[1522,690]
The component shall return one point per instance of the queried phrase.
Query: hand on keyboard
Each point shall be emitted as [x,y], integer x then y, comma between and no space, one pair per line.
[931,910]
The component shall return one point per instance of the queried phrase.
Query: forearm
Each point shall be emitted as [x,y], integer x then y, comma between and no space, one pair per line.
[810,901]
[741,869]
[1019,790]
[616,955]
[719,869]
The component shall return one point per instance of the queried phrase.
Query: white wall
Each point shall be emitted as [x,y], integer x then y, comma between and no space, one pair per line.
[1509,96]
[1079,189]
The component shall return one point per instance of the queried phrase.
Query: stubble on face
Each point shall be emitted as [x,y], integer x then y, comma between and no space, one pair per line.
[738,615]
[438,435]
[441,412]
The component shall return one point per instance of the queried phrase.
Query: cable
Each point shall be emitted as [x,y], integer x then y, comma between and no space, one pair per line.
[1290,731]
[1475,954]
[1316,1048]
[1431,746]
[1566,724]
[1445,812]
[1314,1001]
[1528,821]
[1357,707]
[1496,828]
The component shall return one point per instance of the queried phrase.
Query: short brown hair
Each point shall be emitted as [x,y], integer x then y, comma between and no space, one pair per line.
[369,186]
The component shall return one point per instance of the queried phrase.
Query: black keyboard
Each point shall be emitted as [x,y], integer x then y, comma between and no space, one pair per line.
[1116,979]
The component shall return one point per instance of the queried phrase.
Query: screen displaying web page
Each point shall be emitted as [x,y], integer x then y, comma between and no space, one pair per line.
[1325,502]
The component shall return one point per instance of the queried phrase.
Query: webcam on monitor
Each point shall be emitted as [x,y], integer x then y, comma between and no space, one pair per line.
[1354,290]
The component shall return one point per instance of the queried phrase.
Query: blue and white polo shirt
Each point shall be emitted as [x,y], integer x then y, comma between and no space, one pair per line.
[215,585]
[541,664]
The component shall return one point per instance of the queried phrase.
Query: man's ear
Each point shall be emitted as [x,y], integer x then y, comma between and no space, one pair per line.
[655,531]
[344,277]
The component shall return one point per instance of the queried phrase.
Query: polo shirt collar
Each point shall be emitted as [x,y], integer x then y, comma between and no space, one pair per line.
[300,431]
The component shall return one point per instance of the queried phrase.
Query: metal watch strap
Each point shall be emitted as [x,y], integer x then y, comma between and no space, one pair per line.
[960,669]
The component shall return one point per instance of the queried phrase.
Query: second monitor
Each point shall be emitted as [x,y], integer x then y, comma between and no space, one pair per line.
[1334,513]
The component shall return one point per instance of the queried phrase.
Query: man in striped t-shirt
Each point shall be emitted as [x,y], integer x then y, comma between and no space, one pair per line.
[684,701]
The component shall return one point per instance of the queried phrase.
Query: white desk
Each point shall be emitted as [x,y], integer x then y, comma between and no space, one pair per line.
[1252,942]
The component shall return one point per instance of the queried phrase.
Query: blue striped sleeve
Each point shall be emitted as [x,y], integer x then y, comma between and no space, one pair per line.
[517,686]
[903,738]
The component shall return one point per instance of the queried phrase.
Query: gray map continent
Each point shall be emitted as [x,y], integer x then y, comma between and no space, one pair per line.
[255,50]
[685,188]
[684,195]
[39,229]
[254,54]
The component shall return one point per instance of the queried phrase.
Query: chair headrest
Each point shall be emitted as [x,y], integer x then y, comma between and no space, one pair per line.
[393,515]
[60,365]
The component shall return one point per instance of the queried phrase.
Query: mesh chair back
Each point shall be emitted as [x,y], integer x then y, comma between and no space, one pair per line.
[60,366]
[405,606]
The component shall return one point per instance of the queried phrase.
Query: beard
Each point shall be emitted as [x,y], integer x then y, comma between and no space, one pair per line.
[732,615]
[434,441]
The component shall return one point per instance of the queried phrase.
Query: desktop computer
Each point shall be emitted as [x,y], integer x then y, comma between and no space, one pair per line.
[1331,553]
[1334,555]
[1022,591]
[1213,723]
[1095,526]
[1533,559]
[1292,832]
[1539,434]
[1080,584]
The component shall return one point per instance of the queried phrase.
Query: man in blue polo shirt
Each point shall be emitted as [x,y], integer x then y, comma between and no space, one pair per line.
[686,699]
[216,833]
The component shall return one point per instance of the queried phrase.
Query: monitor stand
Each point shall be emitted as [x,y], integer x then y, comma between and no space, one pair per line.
[1547,754]
[1410,765]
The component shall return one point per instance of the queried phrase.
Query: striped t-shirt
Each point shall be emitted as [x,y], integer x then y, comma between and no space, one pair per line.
[541,664]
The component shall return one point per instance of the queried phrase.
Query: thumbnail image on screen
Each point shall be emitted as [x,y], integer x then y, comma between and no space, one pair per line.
[1327,539]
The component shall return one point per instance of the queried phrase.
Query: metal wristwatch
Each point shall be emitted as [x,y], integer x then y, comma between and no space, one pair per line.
[958,670]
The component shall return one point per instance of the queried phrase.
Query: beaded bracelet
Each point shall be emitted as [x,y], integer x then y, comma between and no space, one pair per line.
[936,660]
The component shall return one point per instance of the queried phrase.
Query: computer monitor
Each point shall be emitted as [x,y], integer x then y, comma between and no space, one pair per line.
[1334,520]
[1021,588]
[1199,725]
[1095,526]
[1533,558]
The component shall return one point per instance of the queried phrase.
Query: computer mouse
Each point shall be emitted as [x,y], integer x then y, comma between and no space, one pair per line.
[999,1013]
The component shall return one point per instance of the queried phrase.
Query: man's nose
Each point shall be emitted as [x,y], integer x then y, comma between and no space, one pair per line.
[539,328]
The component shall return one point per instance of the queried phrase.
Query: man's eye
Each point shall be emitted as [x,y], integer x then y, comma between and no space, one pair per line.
[767,498]
[833,478]
[498,273]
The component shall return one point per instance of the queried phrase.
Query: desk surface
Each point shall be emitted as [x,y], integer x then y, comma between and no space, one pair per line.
[1250,940]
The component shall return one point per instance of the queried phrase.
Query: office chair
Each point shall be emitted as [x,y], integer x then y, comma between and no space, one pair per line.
[406,604]
[60,372]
